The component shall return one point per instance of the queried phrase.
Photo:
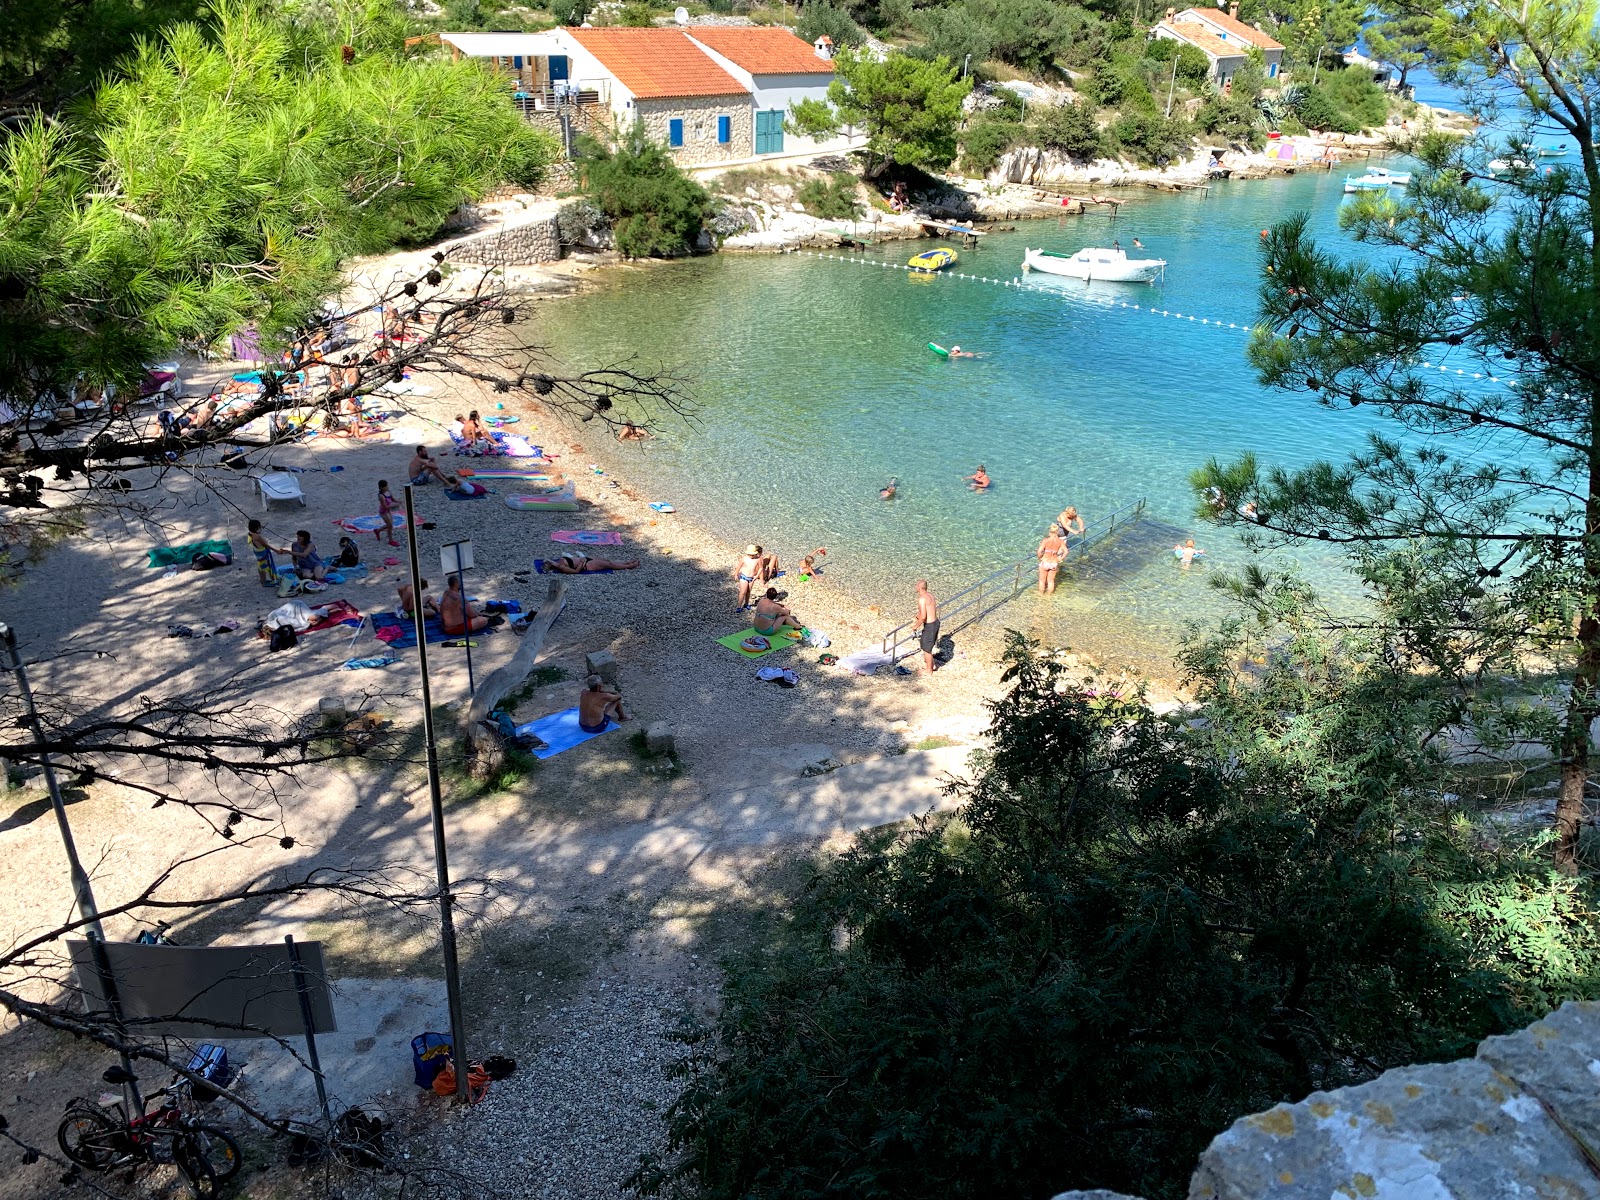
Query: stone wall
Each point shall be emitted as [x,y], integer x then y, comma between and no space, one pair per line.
[699,115]
[1522,1118]
[534,242]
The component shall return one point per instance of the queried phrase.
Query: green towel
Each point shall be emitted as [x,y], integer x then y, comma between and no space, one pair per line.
[182,556]
[778,642]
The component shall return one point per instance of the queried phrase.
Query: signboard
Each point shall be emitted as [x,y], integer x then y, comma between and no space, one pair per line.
[454,557]
[178,990]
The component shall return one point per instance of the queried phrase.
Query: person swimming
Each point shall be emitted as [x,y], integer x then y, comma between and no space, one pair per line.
[979,479]
[958,352]
[888,492]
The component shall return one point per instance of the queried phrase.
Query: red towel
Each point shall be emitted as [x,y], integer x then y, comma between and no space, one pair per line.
[338,611]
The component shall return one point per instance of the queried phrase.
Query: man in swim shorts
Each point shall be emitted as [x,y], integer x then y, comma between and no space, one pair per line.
[422,468]
[596,706]
[927,623]
[756,566]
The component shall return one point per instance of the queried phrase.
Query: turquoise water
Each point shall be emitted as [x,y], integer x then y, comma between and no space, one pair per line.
[815,387]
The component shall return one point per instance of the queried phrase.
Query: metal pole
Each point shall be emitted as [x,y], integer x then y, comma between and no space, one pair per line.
[81,891]
[308,1025]
[441,864]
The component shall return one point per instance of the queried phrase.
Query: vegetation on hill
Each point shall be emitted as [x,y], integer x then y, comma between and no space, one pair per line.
[654,208]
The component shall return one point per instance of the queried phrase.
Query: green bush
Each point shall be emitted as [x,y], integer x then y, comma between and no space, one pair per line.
[570,12]
[1194,68]
[1130,935]
[637,14]
[1357,96]
[986,139]
[654,208]
[1070,129]
[1317,110]
[832,199]
[1232,118]
[1151,139]
[819,19]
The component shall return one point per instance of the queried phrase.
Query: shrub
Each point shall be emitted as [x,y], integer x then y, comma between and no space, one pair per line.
[570,12]
[1194,68]
[1318,111]
[1354,93]
[819,19]
[1232,118]
[637,14]
[986,139]
[578,218]
[655,209]
[1152,140]
[833,199]
[1070,129]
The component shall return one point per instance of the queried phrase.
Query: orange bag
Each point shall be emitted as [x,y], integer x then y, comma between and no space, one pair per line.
[444,1083]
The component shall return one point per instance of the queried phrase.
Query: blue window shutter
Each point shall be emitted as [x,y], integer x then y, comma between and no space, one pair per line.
[675,132]
[724,130]
[516,62]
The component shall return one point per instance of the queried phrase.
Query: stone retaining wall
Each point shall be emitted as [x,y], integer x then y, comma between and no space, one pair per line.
[1522,1118]
[535,242]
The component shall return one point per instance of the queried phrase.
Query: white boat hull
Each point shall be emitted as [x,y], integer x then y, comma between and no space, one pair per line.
[1104,265]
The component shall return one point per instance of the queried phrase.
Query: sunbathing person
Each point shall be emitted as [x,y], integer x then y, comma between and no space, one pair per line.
[474,430]
[632,433]
[574,562]
[429,608]
[597,706]
[458,615]
[423,468]
[772,615]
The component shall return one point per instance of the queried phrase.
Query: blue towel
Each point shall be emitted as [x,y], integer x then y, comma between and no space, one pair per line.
[433,627]
[356,664]
[560,732]
[452,494]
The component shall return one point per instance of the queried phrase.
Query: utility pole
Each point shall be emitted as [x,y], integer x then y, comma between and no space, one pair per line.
[82,893]
[441,863]
[1172,86]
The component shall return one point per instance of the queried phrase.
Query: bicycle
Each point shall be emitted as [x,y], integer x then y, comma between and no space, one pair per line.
[103,1138]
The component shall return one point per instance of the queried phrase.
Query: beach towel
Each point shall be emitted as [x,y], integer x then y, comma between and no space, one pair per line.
[520,447]
[531,471]
[372,524]
[587,537]
[400,632]
[182,556]
[560,731]
[335,612]
[539,565]
[775,641]
[382,660]
[452,494]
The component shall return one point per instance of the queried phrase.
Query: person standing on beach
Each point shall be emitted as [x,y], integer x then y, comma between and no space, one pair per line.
[927,623]
[266,568]
[387,505]
[1051,554]
[756,566]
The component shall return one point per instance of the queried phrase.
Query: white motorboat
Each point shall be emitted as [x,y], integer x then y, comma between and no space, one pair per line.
[1095,262]
[1376,180]
[1504,166]
[1559,150]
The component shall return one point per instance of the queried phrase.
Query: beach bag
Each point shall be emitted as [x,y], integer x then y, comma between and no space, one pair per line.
[288,585]
[444,1083]
[430,1054]
[283,638]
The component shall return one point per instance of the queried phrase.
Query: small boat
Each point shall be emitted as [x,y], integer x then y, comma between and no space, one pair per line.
[1559,150]
[1376,180]
[933,260]
[1504,166]
[1095,262]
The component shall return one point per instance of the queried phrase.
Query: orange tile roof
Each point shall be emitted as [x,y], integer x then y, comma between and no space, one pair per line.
[1198,35]
[657,63]
[762,50]
[1233,25]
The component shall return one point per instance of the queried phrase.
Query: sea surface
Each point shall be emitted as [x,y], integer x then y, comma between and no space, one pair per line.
[814,387]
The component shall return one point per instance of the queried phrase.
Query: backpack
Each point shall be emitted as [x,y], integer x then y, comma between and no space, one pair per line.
[283,638]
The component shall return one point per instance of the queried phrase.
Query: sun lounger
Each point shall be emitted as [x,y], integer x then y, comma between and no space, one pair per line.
[280,486]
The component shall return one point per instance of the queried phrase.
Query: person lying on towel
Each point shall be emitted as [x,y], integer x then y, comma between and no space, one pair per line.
[574,563]
[596,706]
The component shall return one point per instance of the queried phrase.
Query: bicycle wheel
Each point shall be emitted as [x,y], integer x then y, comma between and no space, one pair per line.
[90,1138]
[194,1168]
[219,1149]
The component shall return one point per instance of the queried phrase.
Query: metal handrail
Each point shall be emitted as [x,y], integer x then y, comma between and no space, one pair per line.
[972,604]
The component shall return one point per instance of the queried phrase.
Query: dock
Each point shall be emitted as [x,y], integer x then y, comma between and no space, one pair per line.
[968,235]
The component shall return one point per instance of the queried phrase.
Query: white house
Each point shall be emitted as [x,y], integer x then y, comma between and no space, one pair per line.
[778,68]
[709,94]
[1216,26]
[1224,59]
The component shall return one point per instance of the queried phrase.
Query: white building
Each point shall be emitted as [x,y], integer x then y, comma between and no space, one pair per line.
[777,67]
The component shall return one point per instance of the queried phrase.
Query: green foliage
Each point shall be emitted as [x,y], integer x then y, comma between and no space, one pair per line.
[811,118]
[654,208]
[1194,68]
[833,199]
[1318,111]
[1023,33]
[1399,40]
[1151,139]
[221,178]
[986,139]
[636,13]
[1233,118]
[909,108]
[1354,92]
[1070,129]
[1120,82]
[50,50]
[819,19]
[570,12]
[1129,936]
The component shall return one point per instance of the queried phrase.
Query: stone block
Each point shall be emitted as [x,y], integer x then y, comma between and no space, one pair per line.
[332,710]
[1558,1059]
[658,738]
[1447,1131]
[601,663]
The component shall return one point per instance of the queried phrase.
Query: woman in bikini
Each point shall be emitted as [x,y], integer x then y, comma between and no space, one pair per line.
[772,616]
[387,505]
[1051,554]
[755,567]
[574,562]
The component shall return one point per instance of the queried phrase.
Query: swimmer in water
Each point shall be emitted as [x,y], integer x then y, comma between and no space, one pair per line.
[887,493]
[1186,553]
[979,479]
[958,352]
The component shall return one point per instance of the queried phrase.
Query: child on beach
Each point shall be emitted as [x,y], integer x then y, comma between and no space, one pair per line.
[1186,553]
[348,555]
[387,505]
[809,565]
[266,568]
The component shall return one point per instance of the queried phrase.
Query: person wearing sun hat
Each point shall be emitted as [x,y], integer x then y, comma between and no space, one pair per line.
[756,566]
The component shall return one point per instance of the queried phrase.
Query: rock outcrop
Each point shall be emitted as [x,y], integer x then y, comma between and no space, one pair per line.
[1521,1118]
